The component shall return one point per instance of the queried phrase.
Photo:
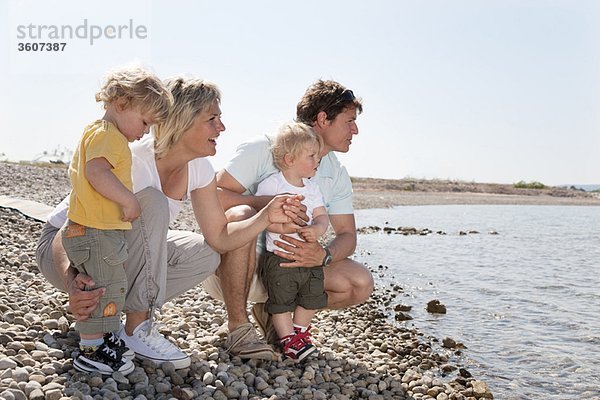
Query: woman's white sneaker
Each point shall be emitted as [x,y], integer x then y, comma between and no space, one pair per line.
[154,346]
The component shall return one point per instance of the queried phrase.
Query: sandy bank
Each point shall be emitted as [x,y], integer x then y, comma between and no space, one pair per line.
[386,198]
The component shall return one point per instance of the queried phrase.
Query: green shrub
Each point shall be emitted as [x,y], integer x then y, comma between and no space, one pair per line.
[529,185]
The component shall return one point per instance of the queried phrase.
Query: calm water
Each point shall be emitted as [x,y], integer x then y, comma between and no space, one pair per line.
[525,302]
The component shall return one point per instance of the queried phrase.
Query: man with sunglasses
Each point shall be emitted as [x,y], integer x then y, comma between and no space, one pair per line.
[331,109]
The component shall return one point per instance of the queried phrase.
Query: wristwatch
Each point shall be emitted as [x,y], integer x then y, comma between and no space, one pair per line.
[328,258]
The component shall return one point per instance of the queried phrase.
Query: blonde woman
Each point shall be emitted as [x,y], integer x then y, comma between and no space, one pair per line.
[169,169]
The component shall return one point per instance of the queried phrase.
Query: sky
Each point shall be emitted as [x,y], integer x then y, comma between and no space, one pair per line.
[486,91]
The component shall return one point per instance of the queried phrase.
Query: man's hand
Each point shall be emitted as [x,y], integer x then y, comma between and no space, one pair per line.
[83,302]
[300,253]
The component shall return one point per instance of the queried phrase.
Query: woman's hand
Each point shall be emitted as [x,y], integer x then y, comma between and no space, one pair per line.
[299,252]
[83,302]
[298,210]
[284,209]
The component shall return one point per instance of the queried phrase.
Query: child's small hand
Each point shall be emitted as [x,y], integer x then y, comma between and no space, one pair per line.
[131,210]
[308,233]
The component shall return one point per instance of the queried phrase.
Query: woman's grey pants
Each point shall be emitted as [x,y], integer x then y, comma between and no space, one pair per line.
[162,263]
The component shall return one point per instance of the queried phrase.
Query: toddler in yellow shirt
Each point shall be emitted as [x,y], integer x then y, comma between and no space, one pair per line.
[102,206]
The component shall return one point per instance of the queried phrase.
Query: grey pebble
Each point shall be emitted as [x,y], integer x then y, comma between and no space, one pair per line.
[7,395]
[15,394]
[20,375]
[54,394]
[31,386]
[219,395]
[7,363]
[37,394]
[260,384]
[168,368]
[208,378]
[162,387]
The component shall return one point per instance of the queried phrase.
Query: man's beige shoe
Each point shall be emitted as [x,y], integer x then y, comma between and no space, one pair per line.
[265,323]
[244,342]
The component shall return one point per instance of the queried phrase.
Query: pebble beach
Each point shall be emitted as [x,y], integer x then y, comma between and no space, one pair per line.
[362,354]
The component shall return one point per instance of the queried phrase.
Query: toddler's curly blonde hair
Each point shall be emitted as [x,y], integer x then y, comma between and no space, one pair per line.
[292,138]
[136,87]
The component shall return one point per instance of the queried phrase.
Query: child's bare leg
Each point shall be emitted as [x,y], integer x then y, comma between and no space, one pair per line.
[283,324]
[302,316]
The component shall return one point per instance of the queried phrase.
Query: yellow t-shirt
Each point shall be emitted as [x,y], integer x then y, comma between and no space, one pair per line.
[88,207]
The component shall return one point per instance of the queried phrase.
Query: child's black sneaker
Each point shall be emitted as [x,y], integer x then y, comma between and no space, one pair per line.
[113,341]
[103,360]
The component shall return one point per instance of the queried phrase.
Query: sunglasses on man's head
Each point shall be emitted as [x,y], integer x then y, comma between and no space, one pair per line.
[346,96]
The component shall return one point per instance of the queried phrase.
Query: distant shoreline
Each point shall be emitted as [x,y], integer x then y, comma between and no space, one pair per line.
[384,193]
[364,199]
[368,192]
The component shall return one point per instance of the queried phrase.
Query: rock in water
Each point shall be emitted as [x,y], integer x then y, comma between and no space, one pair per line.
[435,307]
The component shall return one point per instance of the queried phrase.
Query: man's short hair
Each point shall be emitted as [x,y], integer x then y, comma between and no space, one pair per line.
[328,96]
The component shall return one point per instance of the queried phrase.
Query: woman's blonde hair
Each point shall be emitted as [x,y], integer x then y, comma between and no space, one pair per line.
[292,138]
[136,87]
[190,98]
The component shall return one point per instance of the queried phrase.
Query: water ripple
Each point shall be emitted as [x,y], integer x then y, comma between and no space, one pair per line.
[524,302]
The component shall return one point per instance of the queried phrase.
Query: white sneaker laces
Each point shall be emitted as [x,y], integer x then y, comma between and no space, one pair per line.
[115,340]
[156,341]
[110,352]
